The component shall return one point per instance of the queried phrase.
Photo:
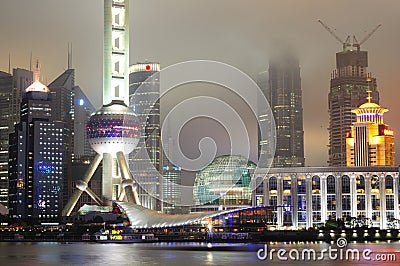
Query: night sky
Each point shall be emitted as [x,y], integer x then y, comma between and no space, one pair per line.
[242,33]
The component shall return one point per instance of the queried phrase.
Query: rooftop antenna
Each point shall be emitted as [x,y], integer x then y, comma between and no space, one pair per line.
[9,63]
[369,90]
[30,63]
[37,71]
[69,56]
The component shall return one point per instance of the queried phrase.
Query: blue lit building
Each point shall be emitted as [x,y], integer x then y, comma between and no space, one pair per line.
[36,157]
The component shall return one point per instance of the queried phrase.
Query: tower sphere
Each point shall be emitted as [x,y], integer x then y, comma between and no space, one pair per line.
[114,127]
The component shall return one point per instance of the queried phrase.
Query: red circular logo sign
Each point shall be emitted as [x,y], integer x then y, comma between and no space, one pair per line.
[148,67]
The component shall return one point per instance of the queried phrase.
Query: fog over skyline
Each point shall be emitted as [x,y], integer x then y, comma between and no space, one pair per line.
[244,34]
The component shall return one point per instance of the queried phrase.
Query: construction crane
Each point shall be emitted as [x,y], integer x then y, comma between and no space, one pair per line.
[347,43]
[344,43]
[357,45]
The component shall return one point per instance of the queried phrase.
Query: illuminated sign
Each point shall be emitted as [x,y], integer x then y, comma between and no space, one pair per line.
[388,132]
[259,200]
[148,67]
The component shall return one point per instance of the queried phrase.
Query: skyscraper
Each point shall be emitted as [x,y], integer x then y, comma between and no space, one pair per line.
[171,173]
[5,95]
[284,96]
[82,108]
[144,90]
[62,107]
[370,142]
[11,87]
[36,158]
[349,85]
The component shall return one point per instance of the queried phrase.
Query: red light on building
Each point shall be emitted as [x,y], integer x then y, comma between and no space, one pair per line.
[148,67]
[388,132]
[348,134]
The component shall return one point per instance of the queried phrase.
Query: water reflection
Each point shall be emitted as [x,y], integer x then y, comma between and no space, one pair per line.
[167,254]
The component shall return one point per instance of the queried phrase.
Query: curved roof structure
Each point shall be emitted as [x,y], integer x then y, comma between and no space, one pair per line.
[38,87]
[226,180]
[141,217]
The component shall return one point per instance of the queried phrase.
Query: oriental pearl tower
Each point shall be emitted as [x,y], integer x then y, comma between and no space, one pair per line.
[113,130]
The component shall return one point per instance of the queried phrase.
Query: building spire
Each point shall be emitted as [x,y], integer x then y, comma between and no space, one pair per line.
[69,66]
[369,90]
[37,71]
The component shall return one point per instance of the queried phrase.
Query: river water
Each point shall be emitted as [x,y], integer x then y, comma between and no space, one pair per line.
[189,254]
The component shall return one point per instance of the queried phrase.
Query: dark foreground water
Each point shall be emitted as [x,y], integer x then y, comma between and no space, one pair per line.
[188,254]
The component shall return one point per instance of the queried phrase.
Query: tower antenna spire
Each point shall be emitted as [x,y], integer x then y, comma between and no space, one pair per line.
[369,90]
[9,63]
[69,66]
[37,71]
[30,62]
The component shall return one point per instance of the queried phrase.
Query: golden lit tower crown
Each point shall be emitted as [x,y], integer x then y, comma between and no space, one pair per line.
[370,142]
[370,112]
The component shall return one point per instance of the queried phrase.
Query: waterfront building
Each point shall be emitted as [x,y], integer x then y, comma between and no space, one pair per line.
[348,90]
[61,90]
[284,95]
[370,142]
[223,184]
[145,162]
[36,157]
[11,87]
[304,197]
[5,96]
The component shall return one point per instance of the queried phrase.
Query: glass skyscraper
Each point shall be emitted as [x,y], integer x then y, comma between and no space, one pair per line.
[145,162]
[285,98]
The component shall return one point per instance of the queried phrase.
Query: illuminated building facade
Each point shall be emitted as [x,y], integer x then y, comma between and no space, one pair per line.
[61,92]
[36,158]
[370,142]
[172,193]
[304,197]
[225,181]
[348,90]
[11,87]
[113,130]
[144,90]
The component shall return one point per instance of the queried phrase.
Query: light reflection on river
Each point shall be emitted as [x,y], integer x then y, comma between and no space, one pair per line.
[189,254]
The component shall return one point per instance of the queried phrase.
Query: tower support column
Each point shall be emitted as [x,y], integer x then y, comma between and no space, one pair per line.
[107,181]
[80,188]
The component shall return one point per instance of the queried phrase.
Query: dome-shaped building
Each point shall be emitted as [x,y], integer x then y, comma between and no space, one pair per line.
[225,181]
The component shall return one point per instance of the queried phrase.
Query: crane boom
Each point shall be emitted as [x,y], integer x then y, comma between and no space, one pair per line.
[370,34]
[330,31]
[344,43]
